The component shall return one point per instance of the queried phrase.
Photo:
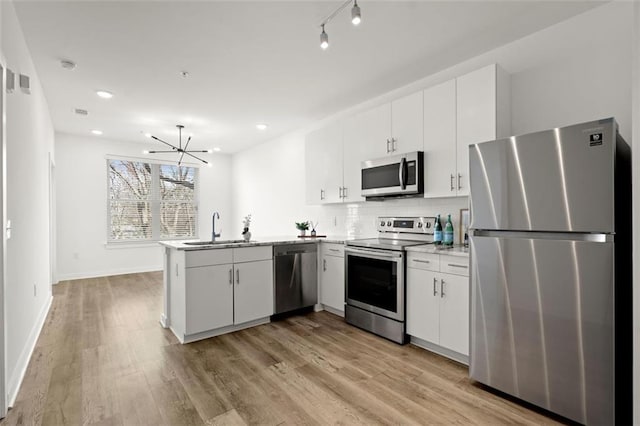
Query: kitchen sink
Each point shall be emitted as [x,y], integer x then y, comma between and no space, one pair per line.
[210,243]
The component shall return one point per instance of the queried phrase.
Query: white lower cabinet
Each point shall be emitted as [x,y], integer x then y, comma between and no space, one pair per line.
[253,292]
[438,301]
[332,277]
[209,298]
[213,291]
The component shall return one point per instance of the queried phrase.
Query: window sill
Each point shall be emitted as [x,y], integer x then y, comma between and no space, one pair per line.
[130,244]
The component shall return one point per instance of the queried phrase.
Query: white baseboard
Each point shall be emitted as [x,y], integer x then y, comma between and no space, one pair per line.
[96,274]
[13,385]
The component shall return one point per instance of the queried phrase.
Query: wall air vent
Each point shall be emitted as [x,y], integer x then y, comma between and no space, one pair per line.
[11,81]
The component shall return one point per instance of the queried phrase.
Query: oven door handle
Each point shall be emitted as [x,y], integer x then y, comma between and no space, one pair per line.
[372,253]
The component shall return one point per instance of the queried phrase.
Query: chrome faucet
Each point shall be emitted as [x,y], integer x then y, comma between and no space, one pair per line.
[213,226]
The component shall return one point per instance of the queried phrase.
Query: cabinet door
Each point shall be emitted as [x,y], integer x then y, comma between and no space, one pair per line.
[355,151]
[374,131]
[423,304]
[253,294]
[476,106]
[209,298]
[440,140]
[332,282]
[323,163]
[454,313]
[407,124]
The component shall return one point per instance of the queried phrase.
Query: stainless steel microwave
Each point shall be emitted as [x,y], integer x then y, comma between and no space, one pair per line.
[393,176]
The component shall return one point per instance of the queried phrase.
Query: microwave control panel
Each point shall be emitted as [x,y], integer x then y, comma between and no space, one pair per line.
[411,225]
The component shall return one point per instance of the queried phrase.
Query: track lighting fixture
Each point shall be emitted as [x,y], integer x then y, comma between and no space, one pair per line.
[356,18]
[355,13]
[324,39]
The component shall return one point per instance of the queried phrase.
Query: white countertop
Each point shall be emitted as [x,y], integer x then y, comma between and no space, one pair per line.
[430,248]
[261,241]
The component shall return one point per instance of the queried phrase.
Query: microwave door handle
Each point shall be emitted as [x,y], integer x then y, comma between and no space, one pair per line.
[403,166]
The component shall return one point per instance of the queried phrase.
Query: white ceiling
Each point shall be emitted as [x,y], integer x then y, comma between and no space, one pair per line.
[250,62]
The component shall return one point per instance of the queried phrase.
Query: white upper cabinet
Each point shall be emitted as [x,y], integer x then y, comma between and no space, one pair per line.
[406,124]
[375,132]
[440,140]
[469,109]
[483,114]
[354,150]
[323,162]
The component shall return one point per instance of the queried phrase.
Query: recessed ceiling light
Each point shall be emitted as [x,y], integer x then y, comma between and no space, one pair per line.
[97,132]
[104,94]
[216,149]
[261,126]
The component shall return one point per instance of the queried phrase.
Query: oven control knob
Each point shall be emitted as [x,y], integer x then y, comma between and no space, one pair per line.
[428,225]
[389,223]
[419,224]
[382,223]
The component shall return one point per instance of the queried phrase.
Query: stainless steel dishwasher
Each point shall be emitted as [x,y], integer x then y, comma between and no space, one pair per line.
[296,276]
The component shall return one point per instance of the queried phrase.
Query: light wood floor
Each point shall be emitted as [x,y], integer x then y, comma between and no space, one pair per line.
[102,358]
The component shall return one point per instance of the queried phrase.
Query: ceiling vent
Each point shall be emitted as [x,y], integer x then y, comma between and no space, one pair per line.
[80,111]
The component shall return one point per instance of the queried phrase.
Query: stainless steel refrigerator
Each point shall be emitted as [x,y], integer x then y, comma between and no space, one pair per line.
[551,271]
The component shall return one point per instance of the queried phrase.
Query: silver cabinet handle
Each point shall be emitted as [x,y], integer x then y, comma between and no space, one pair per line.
[344,192]
[435,282]
[230,276]
[453,265]
[421,261]
[388,142]
[441,288]
[340,192]
[324,264]
[459,180]
[322,194]
[237,276]
[393,144]
[334,250]
[452,186]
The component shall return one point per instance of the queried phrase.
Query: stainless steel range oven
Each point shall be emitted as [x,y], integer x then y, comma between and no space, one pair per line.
[375,275]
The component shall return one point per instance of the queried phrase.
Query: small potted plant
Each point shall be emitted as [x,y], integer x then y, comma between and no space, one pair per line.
[246,234]
[302,227]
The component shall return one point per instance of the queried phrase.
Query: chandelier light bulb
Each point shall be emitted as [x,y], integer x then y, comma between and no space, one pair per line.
[356,17]
[324,39]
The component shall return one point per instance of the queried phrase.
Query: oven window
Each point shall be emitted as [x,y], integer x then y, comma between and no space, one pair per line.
[373,281]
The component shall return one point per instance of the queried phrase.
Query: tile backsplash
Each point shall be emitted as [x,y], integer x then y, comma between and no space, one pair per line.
[360,219]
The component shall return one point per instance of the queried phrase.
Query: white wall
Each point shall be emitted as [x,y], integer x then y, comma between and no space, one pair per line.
[565,74]
[81,179]
[29,143]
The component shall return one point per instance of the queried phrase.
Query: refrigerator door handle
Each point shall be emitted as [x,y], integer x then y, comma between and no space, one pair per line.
[540,235]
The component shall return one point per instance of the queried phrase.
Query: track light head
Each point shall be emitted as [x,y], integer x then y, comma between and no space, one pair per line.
[324,39]
[356,17]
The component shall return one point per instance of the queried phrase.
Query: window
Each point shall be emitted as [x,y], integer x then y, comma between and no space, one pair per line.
[150,202]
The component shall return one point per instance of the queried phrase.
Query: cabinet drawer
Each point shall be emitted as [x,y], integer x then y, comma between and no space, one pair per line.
[196,258]
[454,265]
[332,249]
[251,254]
[425,261]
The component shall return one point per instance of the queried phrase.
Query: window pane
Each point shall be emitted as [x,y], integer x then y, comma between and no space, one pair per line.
[177,183]
[177,219]
[130,220]
[129,180]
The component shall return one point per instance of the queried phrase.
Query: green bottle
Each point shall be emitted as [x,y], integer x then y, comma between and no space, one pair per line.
[437,232]
[448,232]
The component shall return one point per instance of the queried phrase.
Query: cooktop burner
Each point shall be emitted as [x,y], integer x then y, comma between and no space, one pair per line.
[386,243]
[397,233]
